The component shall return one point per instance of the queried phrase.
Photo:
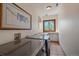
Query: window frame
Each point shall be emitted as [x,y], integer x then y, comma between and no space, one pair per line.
[54,20]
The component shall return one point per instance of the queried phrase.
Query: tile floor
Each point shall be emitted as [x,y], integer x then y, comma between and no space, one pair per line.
[56,50]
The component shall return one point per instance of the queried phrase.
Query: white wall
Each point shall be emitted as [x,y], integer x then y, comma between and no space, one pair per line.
[69,28]
[48,18]
[8,35]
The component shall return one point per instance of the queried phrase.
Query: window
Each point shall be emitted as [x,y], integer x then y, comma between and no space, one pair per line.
[49,25]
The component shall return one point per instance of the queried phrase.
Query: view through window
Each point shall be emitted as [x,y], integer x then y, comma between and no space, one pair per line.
[49,25]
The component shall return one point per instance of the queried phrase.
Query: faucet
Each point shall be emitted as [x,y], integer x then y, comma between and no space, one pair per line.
[17,38]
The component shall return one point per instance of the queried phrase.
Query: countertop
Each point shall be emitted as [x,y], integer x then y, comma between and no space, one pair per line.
[11,46]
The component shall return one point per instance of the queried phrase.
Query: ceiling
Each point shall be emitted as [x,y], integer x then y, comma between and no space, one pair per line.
[41,7]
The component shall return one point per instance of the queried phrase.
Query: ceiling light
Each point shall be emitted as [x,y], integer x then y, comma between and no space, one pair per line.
[48,7]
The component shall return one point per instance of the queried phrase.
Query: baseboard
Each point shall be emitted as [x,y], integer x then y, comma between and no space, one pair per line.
[55,42]
[63,50]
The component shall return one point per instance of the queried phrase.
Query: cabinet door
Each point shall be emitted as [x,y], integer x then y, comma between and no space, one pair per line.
[22,51]
[36,44]
[54,37]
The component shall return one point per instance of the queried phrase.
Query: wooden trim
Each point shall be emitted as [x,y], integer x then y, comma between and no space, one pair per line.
[20,8]
[27,13]
[1,15]
[13,29]
[55,42]
[54,25]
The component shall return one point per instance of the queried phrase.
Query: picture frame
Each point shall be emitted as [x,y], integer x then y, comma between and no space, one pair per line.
[13,17]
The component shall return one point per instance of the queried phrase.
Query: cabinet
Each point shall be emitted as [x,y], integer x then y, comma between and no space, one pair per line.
[22,48]
[25,47]
[54,36]
[22,51]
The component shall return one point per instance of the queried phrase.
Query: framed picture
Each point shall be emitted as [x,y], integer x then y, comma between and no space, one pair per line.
[14,17]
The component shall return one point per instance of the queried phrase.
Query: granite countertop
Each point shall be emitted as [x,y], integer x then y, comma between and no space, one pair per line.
[11,46]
